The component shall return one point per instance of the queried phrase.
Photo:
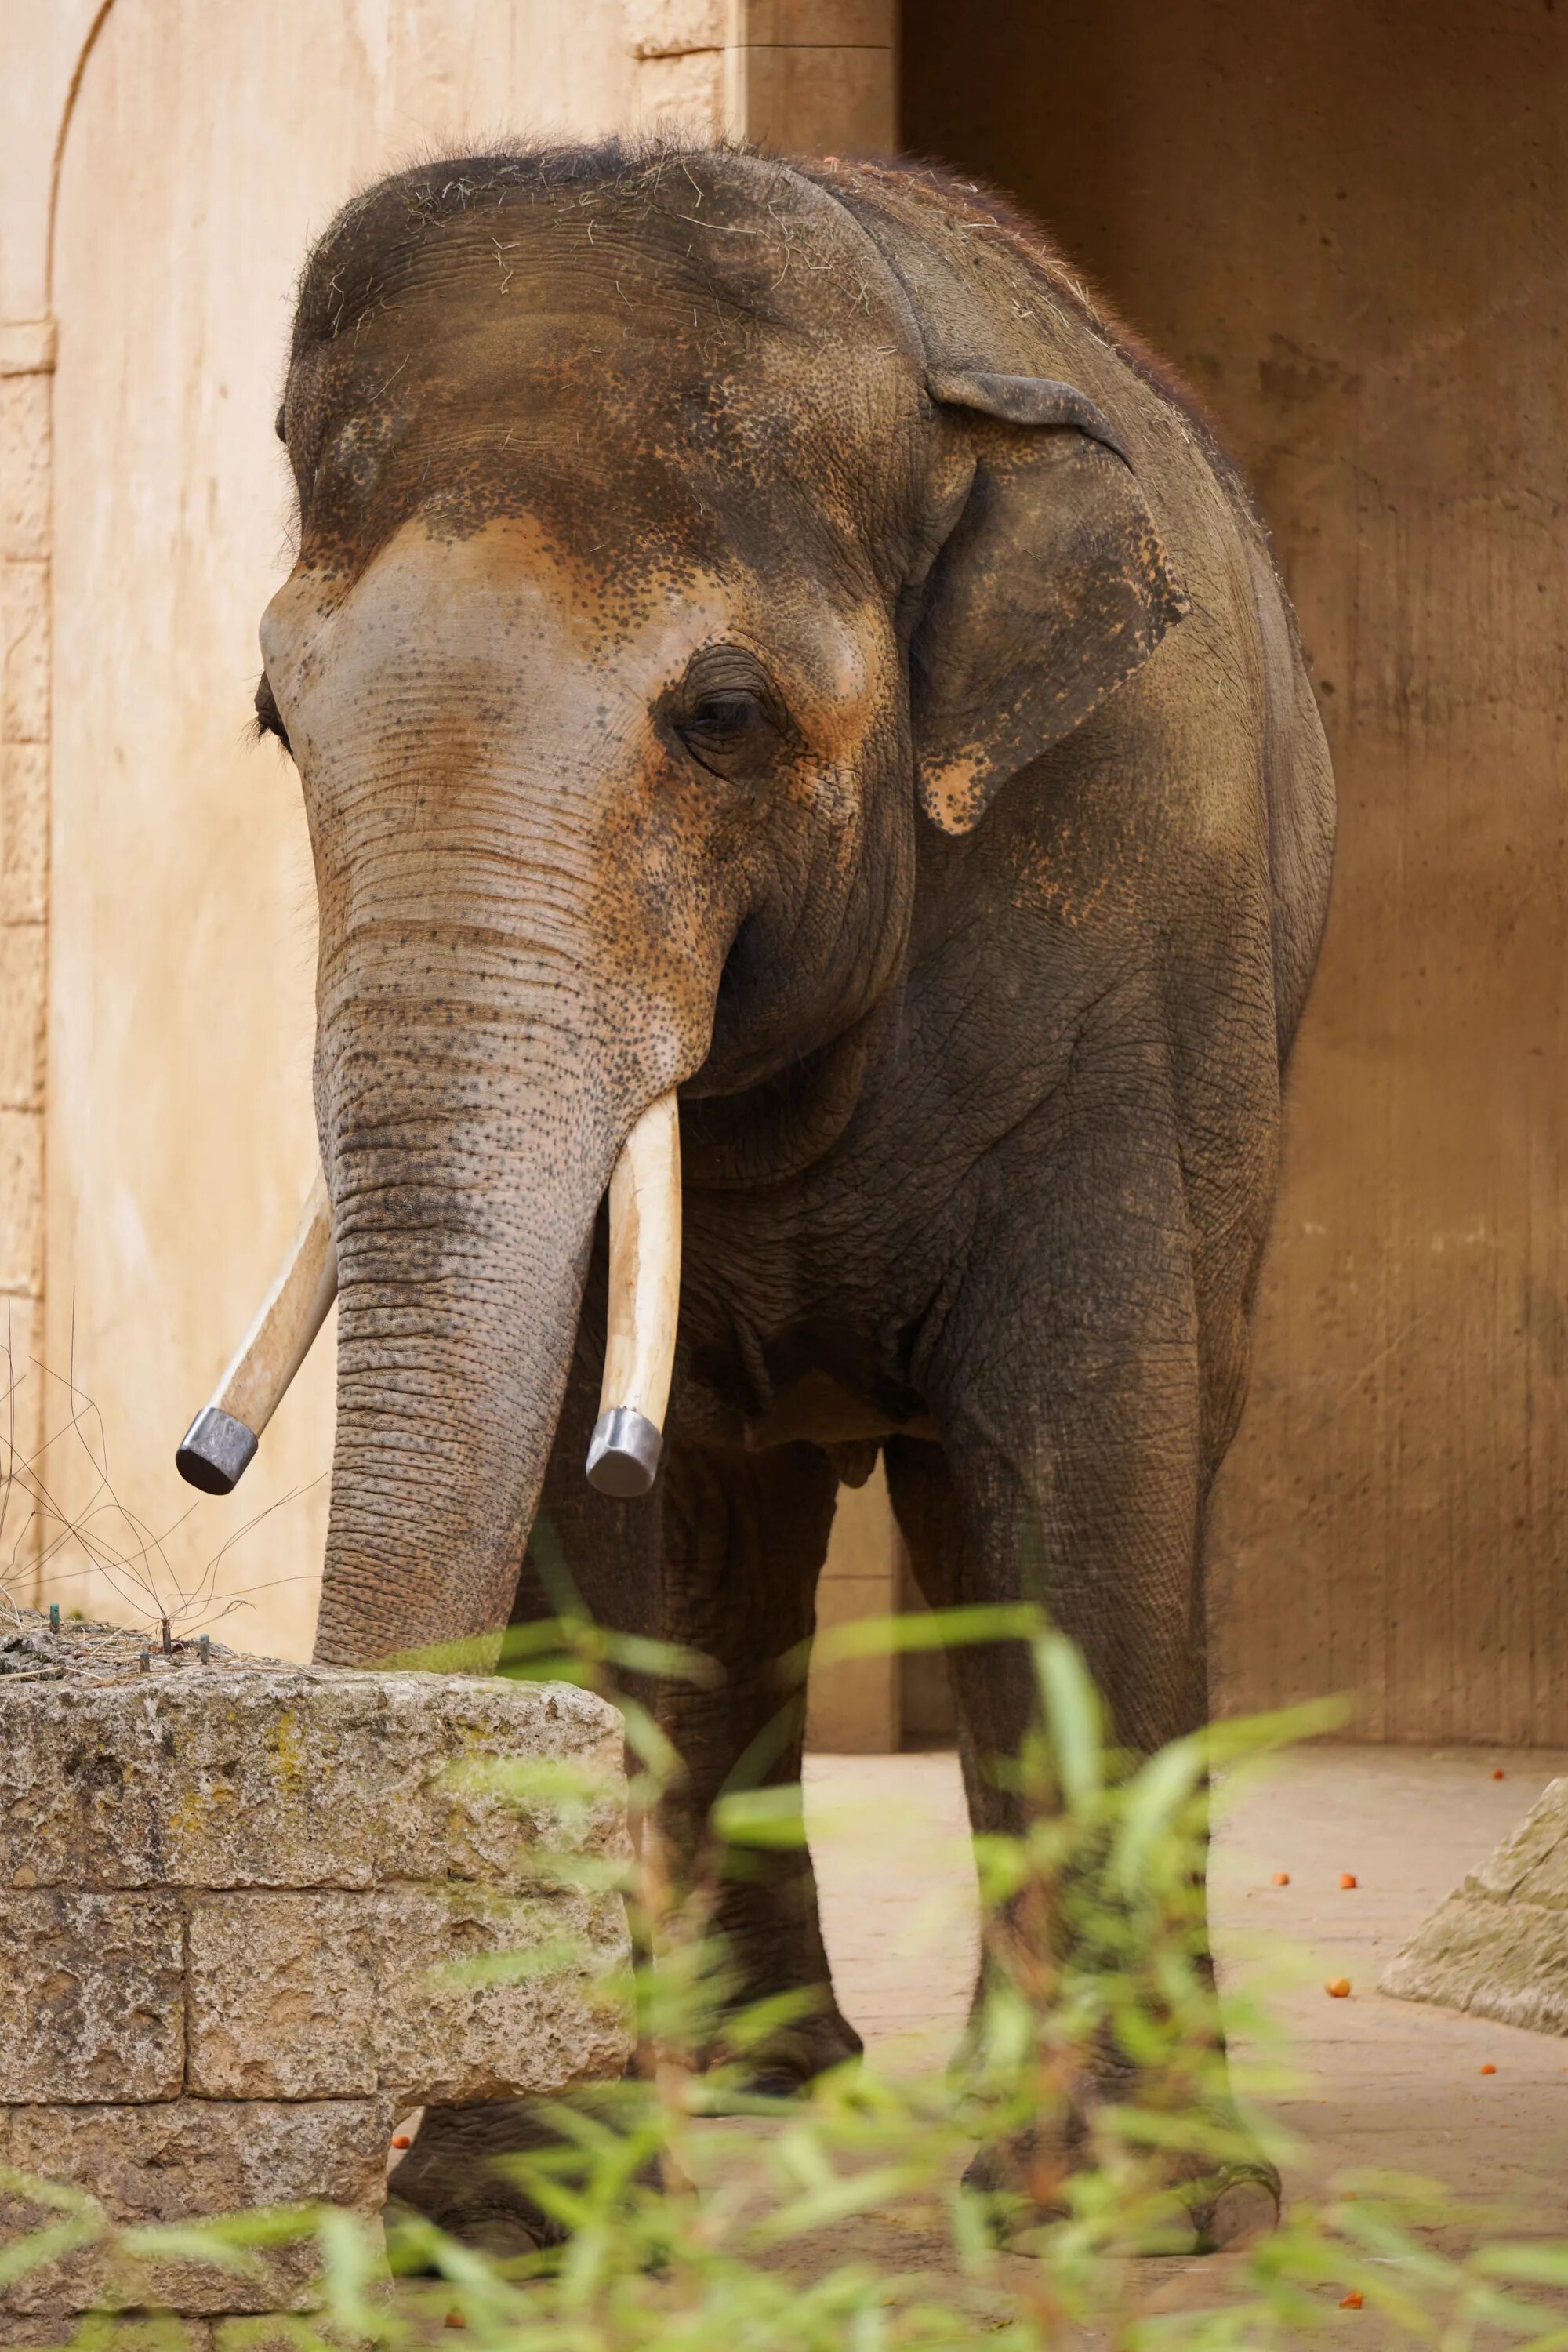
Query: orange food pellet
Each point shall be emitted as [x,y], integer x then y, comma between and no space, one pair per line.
[1350,2302]
[1500,1774]
[401,2139]
[1488,2068]
[1347,1878]
[1281,1878]
[1338,1988]
[456,2319]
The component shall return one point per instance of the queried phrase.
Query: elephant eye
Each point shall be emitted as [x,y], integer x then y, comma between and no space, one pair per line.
[268,718]
[726,729]
[722,720]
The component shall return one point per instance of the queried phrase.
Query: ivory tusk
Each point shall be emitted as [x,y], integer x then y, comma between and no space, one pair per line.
[216,1449]
[639,1351]
[645,1299]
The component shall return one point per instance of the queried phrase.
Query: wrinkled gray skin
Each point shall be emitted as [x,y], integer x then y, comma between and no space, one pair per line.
[757,628]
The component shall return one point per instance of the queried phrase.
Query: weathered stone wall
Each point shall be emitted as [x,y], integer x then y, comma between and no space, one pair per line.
[245,1913]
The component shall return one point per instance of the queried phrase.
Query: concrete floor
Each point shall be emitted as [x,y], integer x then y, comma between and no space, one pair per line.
[1382,2083]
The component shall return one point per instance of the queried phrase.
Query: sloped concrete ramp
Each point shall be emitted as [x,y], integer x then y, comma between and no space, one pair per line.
[1498,1945]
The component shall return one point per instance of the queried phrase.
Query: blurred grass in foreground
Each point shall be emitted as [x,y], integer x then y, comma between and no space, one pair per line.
[1092,1928]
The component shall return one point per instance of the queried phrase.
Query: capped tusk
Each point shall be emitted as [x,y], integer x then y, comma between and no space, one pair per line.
[645,1299]
[216,1449]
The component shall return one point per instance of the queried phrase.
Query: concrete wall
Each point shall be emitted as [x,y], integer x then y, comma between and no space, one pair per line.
[163,165]
[1345,219]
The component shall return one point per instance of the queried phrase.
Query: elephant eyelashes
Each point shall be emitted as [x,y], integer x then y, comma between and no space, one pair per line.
[268,719]
[728,731]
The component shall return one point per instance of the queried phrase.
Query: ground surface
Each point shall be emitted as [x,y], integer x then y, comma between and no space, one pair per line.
[1393,2083]
[1385,2083]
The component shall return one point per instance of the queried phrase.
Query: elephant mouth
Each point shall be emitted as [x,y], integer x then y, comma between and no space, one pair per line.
[639,1346]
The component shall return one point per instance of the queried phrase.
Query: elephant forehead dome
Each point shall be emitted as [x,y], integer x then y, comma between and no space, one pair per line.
[655,230]
[529,331]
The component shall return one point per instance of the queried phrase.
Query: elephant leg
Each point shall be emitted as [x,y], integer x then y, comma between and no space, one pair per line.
[588,1550]
[1074,1472]
[745,1536]
[926,1507]
[723,1558]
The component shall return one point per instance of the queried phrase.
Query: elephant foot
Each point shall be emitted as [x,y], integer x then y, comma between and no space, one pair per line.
[1206,2212]
[1242,2207]
[457,2175]
[791,2059]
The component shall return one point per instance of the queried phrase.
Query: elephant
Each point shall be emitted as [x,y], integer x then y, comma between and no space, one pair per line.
[763,629]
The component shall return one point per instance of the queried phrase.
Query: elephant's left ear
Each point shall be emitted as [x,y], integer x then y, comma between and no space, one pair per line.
[1049,589]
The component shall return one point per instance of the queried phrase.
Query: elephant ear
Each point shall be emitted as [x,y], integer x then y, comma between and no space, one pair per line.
[1050,588]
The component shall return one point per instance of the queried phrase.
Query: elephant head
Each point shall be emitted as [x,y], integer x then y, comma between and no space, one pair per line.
[651,584]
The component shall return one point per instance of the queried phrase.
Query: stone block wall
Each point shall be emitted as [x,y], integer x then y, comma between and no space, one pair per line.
[239,1909]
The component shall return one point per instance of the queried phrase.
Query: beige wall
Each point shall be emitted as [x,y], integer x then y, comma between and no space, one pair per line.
[1345,219]
[164,163]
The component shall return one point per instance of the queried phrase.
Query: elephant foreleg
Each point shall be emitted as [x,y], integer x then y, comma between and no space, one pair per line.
[1077,1452]
[592,1553]
[745,1536]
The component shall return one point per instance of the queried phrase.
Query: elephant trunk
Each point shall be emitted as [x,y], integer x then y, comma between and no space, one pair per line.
[467,1158]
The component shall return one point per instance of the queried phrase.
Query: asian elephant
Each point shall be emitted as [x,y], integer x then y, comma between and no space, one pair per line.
[761,628]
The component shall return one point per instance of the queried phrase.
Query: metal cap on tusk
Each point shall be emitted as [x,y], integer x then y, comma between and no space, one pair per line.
[623,1453]
[220,1443]
[215,1452]
[644,1301]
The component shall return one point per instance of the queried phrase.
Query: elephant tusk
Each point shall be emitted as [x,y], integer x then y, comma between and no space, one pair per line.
[645,1299]
[639,1351]
[216,1449]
